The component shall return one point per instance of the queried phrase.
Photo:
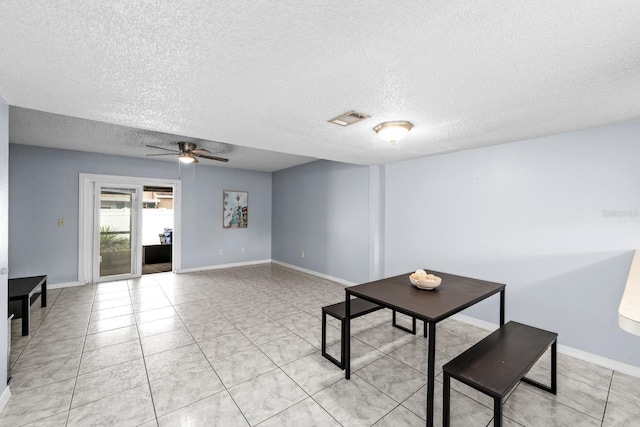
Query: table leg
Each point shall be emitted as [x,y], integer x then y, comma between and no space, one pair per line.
[502,307]
[431,368]
[347,335]
[43,293]
[554,362]
[25,314]
[324,333]
[446,399]
[497,412]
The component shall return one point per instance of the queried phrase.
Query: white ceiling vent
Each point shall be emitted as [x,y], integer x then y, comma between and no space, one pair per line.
[349,118]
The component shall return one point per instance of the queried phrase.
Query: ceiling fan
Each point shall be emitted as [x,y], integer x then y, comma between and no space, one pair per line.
[187,153]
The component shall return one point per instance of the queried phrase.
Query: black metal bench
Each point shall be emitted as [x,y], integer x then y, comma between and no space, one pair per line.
[496,364]
[359,307]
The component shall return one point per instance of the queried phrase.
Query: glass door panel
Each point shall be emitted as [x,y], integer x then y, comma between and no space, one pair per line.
[116,232]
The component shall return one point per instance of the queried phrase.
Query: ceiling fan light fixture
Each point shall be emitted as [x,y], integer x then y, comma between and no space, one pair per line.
[393,131]
[188,152]
[187,158]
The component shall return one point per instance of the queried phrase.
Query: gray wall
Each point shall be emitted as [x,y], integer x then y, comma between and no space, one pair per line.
[321,208]
[535,215]
[4,239]
[43,186]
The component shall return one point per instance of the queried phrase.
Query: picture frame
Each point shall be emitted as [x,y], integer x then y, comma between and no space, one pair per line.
[235,209]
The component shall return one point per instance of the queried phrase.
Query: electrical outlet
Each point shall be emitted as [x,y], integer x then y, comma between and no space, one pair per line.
[243,250]
[301,254]
[220,251]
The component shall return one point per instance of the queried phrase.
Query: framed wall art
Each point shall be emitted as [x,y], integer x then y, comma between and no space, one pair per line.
[235,209]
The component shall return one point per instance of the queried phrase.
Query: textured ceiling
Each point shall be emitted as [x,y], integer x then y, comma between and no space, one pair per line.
[31,127]
[269,75]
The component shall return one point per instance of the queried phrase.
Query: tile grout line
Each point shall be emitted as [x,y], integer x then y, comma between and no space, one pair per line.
[606,402]
[84,341]
[144,359]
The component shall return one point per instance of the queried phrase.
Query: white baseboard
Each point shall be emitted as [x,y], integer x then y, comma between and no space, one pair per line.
[475,322]
[315,273]
[624,368]
[569,351]
[64,285]
[219,266]
[4,398]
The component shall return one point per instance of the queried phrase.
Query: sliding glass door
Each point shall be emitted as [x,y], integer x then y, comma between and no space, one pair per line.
[116,211]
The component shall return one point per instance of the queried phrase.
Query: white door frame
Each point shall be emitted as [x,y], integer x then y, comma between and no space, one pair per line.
[86,219]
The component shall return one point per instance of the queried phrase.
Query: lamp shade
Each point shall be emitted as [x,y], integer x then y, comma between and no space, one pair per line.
[187,158]
[393,131]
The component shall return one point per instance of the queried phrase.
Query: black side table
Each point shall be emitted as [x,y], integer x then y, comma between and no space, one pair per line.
[22,289]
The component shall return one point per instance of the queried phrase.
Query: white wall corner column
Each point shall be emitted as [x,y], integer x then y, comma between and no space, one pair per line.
[376,222]
[5,393]
[629,310]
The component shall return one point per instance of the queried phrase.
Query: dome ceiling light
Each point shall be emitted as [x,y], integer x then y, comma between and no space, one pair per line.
[393,131]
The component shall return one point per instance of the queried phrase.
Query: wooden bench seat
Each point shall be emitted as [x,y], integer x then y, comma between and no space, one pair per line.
[496,364]
[359,307]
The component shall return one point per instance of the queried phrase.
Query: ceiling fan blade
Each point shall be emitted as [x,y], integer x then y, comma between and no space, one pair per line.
[160,154]
[200,151]
[162,148]
[219,159]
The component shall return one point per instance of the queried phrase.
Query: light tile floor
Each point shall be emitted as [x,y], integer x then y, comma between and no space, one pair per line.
[241,346]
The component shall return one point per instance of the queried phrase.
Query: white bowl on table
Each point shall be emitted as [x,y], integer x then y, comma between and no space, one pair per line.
[427,282]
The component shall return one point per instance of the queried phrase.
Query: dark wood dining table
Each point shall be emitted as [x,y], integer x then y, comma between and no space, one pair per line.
[454,294]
